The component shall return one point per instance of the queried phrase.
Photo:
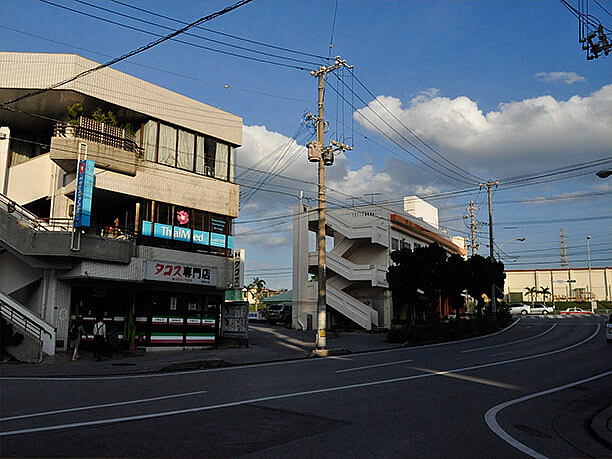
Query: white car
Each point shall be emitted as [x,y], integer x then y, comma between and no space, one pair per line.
[609,330]
[519,308]
[539,308]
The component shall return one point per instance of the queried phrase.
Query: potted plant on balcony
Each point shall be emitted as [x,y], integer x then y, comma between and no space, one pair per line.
[74,114]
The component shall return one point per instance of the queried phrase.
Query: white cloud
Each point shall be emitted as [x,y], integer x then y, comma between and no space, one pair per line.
[518,136]
[565,77]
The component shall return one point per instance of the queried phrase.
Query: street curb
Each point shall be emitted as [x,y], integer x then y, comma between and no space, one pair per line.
[329,352]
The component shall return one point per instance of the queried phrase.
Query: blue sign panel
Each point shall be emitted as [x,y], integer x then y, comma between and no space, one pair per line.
[84,194]
[146,228]
[201,237]
[182,234]
[217,240]
[162,231]
[230,242]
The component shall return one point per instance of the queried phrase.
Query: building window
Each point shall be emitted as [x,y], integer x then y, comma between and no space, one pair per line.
[200,155]
[186,150]
[221,161]
[149,140]
[394,244]
[163,214]
[166,153]
[209,160]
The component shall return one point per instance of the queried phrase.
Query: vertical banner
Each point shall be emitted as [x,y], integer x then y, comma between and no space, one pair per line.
[84,194]
[238,279]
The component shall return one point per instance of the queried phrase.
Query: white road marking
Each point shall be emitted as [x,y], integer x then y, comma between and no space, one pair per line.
[491,414]
[374,366]
[106,405]
[511,342]
[237,367]
[502,353]
[283,396]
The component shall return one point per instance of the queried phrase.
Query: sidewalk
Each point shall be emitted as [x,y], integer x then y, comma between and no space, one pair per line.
[267,343]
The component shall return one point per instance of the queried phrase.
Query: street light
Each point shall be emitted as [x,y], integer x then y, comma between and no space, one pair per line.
[603,174]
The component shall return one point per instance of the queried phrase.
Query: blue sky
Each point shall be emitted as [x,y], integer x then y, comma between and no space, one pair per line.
[500,88]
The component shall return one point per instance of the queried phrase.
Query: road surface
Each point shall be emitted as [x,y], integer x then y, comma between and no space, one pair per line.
[532,389]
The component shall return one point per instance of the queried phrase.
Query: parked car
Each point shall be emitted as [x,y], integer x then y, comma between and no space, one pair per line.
[609,330]
[519,308]
[278,313]
[576,311]
[540,308]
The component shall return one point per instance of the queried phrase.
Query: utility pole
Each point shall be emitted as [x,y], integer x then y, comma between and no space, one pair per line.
[318,152]
[565,263]
[490,184]
[472,225]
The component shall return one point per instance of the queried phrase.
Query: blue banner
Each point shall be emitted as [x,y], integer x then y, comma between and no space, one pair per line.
[230,242]
[146,228]
[217,240]
[84,194]
[201,237]
[162,231]
[182,234]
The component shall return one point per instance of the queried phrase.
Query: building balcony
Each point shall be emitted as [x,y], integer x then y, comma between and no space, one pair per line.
[110,147]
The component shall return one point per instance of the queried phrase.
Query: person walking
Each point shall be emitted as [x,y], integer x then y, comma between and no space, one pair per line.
[99,332]
[76,332]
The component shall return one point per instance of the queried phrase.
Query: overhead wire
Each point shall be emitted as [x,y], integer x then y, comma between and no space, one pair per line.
[134,52]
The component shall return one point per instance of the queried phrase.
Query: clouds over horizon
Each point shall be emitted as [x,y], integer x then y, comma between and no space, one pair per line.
[513,138]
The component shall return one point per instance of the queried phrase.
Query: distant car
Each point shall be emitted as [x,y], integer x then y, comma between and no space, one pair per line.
[609,330]
[540,308]
[519,308]
[576,311]
[278,313]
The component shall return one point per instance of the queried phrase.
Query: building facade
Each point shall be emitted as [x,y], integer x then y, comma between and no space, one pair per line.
[563,284]
[156,198]
[363,237]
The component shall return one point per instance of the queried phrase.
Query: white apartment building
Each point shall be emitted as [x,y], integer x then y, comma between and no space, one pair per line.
[158,249]
[564,284]
[357,290]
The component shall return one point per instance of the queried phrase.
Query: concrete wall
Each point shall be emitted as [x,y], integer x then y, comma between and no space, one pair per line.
[65,150]
[5,133]
[31,180]
[556,281]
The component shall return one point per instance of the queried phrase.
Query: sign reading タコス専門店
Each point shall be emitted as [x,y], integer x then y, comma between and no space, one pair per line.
[180,273]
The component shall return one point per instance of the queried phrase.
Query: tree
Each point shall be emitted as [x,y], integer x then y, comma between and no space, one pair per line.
[481,275]
[531,292]
[257,286]
[545,292]
[456,282]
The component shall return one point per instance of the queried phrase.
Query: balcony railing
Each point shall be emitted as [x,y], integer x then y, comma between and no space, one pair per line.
[95,131]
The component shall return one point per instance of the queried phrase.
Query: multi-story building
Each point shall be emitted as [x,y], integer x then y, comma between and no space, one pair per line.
[159,181]
[563,284]
[357,292]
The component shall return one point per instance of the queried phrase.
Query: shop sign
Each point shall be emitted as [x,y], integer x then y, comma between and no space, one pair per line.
[208,321]
[84,194]
[217,240]
[162,231]
[238,280]
[159,320]
[181,273]
[175,321]
[201,237]
[193,321]
[182,234]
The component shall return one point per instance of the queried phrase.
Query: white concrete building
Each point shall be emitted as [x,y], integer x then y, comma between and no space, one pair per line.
[159,247]
[357,289]
[556,280]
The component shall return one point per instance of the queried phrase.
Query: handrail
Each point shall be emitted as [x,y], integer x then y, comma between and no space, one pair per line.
[22,321]
[21,213]
[126,142]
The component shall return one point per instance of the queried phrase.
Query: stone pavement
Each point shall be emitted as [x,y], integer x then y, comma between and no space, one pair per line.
[267,343]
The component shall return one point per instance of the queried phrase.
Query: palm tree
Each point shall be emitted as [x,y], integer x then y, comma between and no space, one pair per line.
[531,291]
[545,292]
[257,286]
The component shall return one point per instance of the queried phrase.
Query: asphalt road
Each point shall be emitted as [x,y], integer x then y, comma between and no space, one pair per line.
[432,401]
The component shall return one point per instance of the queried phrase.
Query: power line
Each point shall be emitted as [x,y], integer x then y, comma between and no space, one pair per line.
[131,53]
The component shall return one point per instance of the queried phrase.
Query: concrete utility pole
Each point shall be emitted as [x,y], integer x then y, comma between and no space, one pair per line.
[473,225]
[590,282]
[488,186]
[325,157]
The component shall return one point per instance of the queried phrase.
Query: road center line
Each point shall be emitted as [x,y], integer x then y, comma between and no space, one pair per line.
[106,405]
[374,366]
[511,342]
[283,396]
[491,414]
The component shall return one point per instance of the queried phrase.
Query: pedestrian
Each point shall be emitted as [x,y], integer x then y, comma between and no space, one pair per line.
[99,332]
[76,332]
